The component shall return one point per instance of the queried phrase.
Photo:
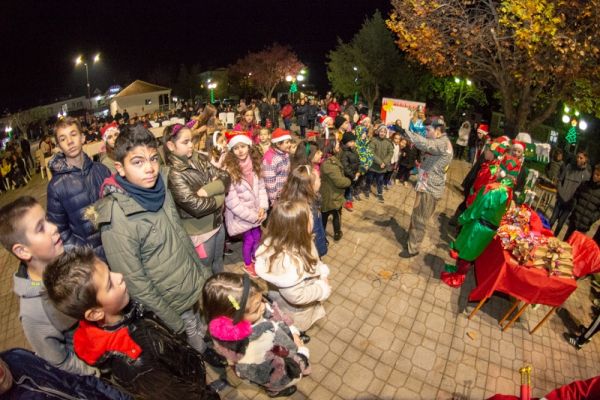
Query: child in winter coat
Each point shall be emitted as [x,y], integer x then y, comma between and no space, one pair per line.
[198,189]
[276,163]
[406,160]
[247,123]
[586,210]
[307,153]
[382,150]
[287,259]
[351,164]
[303,184]
[264,140]
[254,336]
[246,203]
[120,337]
[333,185]
[393,168]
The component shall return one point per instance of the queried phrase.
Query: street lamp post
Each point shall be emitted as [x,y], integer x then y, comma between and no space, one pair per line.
[355,68]
[81,60]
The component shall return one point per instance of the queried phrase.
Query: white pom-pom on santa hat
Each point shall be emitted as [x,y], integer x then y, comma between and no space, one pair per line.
[237,137]
[279,135]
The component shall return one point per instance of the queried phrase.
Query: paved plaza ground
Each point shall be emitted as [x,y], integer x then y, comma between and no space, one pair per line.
[393,330]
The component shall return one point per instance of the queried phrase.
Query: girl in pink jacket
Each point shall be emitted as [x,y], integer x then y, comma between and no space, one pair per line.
[246,203]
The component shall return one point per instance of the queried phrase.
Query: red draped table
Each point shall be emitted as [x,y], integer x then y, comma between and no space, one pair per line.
[496,270]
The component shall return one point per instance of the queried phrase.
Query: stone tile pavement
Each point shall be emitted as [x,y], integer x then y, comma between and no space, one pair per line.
[393,330]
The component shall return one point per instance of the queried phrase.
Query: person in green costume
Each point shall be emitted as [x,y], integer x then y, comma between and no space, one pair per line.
[481,220]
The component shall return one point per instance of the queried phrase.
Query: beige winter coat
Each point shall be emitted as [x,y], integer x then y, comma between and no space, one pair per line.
[297,292]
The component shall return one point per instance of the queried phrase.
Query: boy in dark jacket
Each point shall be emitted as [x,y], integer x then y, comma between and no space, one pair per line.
[119,337]
[351,164]
[75,185]
[587,205]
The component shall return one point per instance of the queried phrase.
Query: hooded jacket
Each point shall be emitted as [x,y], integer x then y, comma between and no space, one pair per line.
[152,251]
[333,184]
[297,292]
[48,331]
[70,192]
[242,204]
[143,356]
[382,149]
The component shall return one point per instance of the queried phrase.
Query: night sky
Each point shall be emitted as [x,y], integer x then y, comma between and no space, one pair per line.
[40,40]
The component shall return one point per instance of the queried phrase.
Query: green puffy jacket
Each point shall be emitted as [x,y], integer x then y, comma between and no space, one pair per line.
[333,183]
[153,252]
[383,150]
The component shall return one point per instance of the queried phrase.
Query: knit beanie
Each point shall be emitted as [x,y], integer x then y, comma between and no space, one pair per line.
[339,121]
[348,137]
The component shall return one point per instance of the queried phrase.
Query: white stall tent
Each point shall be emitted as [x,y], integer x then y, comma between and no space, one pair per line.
[141,98]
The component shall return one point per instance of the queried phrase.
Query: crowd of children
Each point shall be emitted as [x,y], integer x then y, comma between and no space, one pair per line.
[130,251]
[129,247]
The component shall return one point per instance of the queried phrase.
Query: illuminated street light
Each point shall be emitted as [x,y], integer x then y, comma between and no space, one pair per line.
[288,78]
[567,109]
[469,83]
[300,78]
[566,119]
[80,60]
[457,80]
[583,125]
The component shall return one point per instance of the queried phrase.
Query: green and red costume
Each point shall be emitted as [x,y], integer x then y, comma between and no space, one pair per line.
[480,222]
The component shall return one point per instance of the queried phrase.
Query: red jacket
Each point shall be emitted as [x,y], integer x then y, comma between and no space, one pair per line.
[287,111]
[333,109]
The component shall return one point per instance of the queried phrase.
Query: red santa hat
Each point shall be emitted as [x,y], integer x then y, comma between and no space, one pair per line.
[106,129]
[362,118]
[279,135]
[237,137]
[519,143]
[484,129]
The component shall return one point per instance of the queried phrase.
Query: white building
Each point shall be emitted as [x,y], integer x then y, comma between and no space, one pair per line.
[141,98]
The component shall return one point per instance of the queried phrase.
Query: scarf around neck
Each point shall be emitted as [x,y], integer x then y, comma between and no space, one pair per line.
[246,170]
[150,199]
